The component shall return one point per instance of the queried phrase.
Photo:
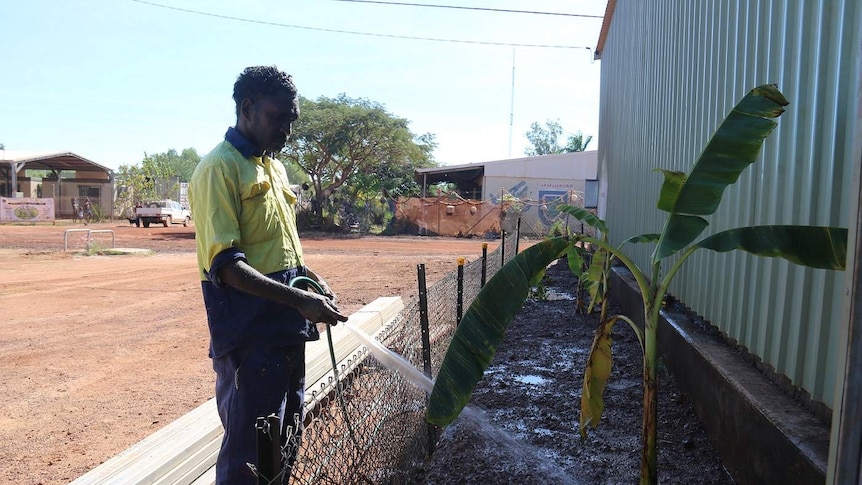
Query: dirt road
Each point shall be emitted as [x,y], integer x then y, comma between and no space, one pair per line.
[97,352]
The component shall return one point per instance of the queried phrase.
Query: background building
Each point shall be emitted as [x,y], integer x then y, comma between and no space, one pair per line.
[58,176]
[530,188]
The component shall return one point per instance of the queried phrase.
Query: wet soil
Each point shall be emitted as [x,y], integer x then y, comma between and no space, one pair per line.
[529,405]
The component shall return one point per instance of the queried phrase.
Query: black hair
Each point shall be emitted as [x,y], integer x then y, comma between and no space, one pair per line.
[260,81]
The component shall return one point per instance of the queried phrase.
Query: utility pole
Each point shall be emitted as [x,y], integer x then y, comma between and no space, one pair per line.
[512,104]
[3,158]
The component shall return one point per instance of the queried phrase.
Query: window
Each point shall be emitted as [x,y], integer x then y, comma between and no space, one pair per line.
[94,193]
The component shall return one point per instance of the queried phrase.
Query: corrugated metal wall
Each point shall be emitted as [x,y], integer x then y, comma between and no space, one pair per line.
[671,70]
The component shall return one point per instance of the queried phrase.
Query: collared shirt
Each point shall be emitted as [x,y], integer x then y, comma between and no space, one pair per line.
[244,209]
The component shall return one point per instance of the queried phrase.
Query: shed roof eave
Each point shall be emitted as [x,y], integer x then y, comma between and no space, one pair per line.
[52,161]
[606,26]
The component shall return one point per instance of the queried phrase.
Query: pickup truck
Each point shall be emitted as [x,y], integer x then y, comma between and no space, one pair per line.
[161,212]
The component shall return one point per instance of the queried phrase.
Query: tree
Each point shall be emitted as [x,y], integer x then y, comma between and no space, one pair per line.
[171,165]
[355,143]
[545,140]
[577,142]
[295,174]
[157,177]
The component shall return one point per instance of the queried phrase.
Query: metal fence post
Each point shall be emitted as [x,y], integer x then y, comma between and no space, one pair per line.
[502,248]
[459,309]
[518,235]
[423,320]
[268,448]
[484,263]
[426,344]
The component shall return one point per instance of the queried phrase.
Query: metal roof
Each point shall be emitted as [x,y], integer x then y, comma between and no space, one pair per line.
[452,173]
[473,171]
[51,161]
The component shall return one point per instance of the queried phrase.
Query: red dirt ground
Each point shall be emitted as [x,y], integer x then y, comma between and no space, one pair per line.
[98,352]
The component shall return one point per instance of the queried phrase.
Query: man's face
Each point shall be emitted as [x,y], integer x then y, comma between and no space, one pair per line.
[270,119]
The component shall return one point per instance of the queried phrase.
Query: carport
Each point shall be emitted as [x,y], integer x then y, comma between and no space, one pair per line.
[466,178]
[88,178]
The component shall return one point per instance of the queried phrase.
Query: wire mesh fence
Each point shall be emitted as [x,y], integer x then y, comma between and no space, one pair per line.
[375,431]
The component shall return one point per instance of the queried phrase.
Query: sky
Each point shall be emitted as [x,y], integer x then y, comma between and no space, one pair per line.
[114,80]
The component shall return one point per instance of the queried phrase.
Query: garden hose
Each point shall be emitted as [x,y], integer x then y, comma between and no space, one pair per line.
[317,288]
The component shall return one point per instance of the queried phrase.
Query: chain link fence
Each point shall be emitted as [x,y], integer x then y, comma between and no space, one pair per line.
[375,431]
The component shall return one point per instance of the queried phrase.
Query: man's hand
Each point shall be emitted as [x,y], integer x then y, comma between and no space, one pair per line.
[312,306]
[319,308]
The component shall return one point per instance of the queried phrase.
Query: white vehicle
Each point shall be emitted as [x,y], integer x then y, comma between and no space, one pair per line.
[161,212]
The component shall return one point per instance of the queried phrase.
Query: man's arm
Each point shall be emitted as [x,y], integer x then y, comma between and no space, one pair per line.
[314,307]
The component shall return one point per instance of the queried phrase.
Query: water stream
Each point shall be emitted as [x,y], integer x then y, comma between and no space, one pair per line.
[393,361]
[499,440]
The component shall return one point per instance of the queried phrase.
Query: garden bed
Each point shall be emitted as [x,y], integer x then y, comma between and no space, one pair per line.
[530,397]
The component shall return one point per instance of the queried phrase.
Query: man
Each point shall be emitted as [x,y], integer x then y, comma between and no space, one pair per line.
[248,251]
[88,211]
[75,210]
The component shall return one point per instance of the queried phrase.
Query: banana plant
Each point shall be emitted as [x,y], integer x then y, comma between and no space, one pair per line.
[687,199]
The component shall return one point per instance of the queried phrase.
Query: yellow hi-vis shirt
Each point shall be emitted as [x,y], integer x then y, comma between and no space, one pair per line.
[243,205]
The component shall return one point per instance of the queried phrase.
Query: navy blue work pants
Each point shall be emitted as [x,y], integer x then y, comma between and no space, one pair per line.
[252,383]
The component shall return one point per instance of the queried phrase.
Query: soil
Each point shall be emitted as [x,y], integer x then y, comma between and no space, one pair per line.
[98,352]
[523,428]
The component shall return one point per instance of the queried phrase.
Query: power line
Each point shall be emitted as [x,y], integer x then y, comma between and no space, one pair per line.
[475,8]
[351,32]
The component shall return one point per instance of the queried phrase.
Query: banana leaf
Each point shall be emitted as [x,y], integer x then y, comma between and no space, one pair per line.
[596,375]
[643,238]
[670,189]
[595,278]
[575,260]
[734,146]
[584,216]
[483,327]
[813,246]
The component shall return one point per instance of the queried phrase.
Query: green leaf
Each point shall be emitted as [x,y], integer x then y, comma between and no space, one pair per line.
[679,231]
[584,216]
[575,260]
[643,238]
[732,148]
[673,182]
[595,278]
[813,246]
[596,376]
[483,327]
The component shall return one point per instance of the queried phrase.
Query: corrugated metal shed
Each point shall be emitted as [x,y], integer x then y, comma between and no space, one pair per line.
[671,70]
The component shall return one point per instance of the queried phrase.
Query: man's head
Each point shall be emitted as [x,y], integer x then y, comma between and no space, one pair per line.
[266,106]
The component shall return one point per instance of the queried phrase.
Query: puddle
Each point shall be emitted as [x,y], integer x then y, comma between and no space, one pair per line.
[533,380]
[553,294]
